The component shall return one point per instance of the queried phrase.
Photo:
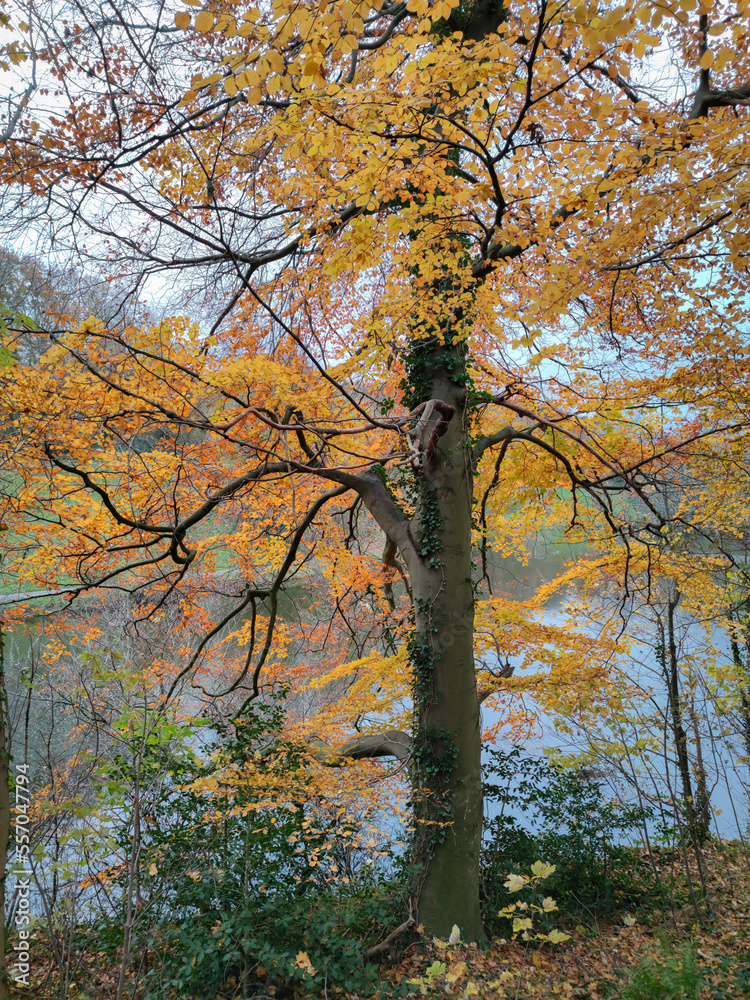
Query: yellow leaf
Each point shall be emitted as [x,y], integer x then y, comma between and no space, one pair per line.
[152,869]
[707,59]
[458,970]
[723,56]
[230,86]
[542,870]
[208,80]
[182,19]
[204,21]
[302,961]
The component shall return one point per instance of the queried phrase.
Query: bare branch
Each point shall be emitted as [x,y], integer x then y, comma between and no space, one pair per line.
[378,949]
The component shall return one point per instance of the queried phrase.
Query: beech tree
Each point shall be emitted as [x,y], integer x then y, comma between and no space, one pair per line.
[456,271]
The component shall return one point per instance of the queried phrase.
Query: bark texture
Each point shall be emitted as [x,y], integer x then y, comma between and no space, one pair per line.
[435,546]
[447,738]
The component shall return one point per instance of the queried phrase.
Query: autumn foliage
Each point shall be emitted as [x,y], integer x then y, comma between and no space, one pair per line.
[394,288]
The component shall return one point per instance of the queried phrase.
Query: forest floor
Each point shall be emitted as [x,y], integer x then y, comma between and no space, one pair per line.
[675,951]
[670,948]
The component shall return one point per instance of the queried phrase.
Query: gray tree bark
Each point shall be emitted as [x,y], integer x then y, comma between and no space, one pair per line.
[445,747]
[447,719]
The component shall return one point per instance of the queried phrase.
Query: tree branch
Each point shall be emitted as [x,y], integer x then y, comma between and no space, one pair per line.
[490,440]
[393,743]
[505,672]
[378,949]
[379,502]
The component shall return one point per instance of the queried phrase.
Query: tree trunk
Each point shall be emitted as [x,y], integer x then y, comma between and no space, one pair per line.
[675,711]
[133,862]
[744,683]
[703,795]
[681,743]
[447,776]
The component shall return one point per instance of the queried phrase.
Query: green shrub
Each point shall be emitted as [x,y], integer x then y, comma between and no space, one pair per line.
[676,977]
[313,942]
[563,818]
[731,979]
[238,895]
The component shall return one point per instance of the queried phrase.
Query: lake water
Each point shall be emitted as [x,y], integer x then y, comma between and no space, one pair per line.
[651,771]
